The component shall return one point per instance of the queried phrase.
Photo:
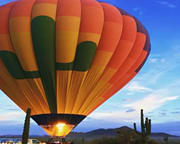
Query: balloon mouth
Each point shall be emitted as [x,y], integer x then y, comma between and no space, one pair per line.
[59,130]
[58,124]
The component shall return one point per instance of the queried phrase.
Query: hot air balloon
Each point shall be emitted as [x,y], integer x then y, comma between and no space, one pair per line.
[64,58]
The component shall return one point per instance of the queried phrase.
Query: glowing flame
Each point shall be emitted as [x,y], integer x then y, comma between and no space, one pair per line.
[60,126]
[59,129]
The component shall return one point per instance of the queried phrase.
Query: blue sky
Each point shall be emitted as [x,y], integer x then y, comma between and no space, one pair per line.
[155,88]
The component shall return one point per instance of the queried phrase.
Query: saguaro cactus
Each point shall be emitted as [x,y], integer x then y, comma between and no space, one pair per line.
[135,128]
[145,127]
[25,135]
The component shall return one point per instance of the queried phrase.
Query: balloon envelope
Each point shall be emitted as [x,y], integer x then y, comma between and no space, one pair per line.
[64,58]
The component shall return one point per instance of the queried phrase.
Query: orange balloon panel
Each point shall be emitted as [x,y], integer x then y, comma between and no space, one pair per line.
[63,58]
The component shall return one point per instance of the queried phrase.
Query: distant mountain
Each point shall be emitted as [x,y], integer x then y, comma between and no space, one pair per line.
[99,133]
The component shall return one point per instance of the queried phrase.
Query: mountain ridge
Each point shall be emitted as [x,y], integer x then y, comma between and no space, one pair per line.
[97,133]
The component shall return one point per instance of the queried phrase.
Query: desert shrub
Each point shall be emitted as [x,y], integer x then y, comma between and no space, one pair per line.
[126,136]
[173,141]
[153,142]
[105,141]
[78,141]
[117,140]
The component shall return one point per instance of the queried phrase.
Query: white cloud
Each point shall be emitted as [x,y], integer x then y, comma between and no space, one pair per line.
[116,116]
[151,102]
[138,10]
[157,60]
[148,104]
[11,116]
[165,3]
[160,65]
[137,87]
[153,60]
